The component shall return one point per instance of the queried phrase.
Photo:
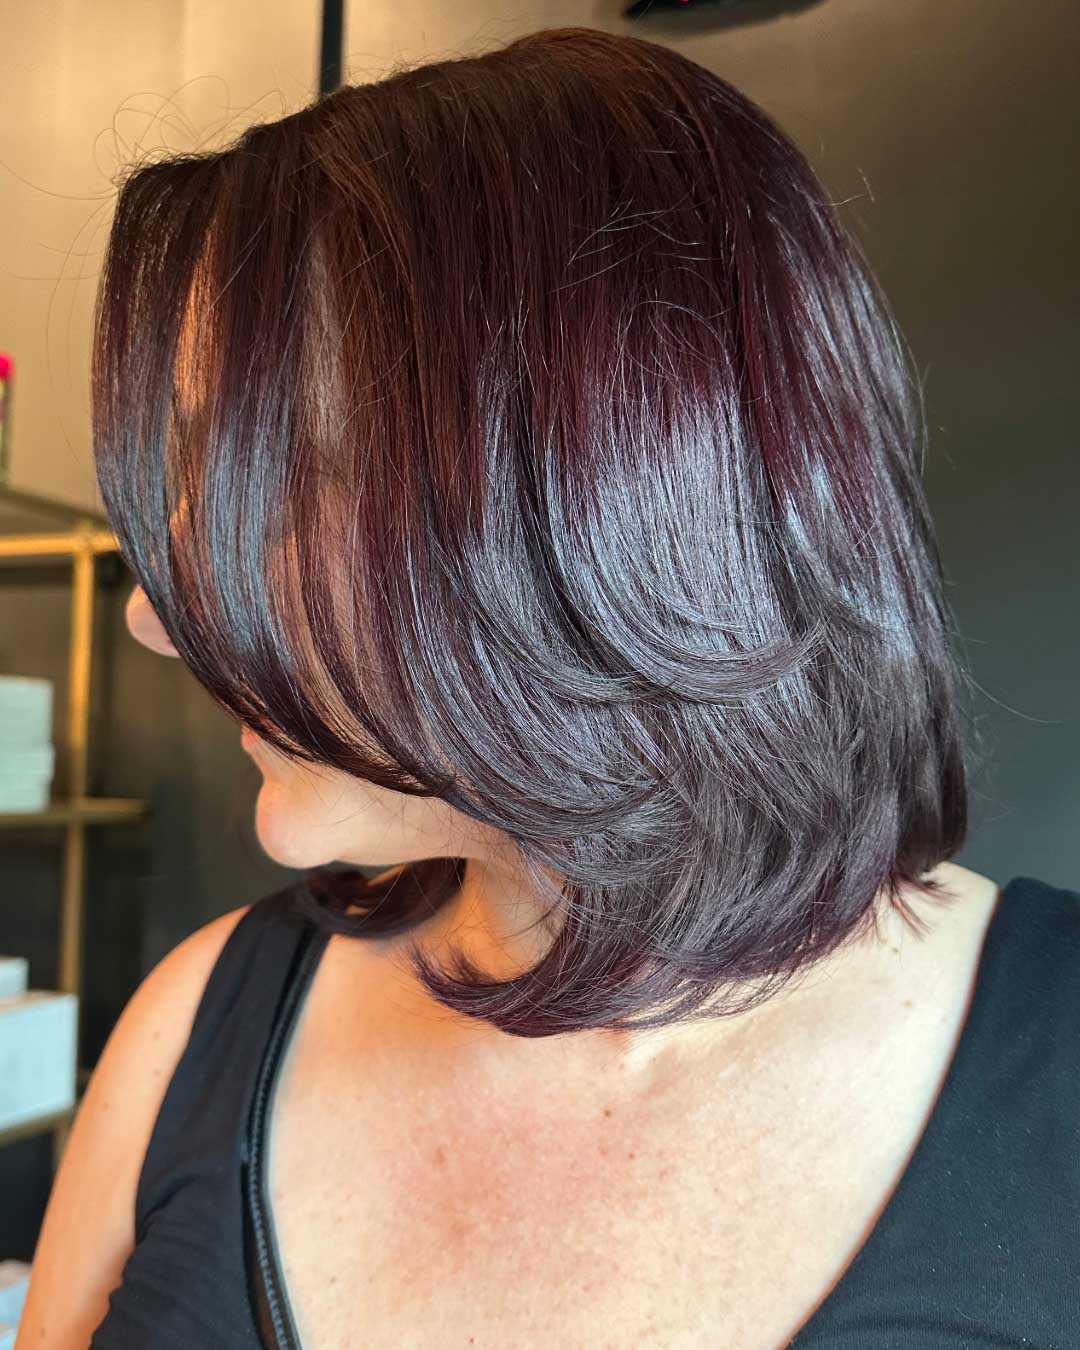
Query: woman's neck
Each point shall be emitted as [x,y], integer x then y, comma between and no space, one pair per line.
[496,922]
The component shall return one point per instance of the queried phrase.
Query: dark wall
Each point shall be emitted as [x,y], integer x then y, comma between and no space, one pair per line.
[950,133]
[974,233]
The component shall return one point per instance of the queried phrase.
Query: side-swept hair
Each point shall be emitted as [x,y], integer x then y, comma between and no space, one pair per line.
[525,430]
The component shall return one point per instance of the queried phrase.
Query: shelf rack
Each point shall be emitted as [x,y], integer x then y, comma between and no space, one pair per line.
[74,537]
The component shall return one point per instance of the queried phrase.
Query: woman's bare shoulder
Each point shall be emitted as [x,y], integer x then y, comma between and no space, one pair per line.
[88,1230]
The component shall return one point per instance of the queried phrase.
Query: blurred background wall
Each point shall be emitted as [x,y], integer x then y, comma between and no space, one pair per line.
[84,89]
[949,135]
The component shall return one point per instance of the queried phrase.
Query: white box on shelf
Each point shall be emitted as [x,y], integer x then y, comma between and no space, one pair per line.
[25,710]
[21,761]
[37,1055]
[14,973]
[26,774]
[19,797]
[14,1282]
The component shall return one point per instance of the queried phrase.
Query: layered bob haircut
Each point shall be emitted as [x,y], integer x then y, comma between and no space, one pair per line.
[524,430]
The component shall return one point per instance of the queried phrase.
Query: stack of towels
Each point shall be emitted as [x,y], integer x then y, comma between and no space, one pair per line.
[37,1026]
[27,756]
[37,1047]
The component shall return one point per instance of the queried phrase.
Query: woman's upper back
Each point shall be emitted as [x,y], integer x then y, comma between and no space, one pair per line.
[976,1244]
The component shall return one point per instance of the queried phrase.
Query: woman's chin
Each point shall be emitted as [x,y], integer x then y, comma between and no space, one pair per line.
[281,833]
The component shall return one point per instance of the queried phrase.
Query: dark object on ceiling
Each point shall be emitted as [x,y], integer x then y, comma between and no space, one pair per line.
[718,13]
[333,22]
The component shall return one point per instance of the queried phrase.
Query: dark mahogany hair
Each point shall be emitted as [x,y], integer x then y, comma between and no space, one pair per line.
[524,430]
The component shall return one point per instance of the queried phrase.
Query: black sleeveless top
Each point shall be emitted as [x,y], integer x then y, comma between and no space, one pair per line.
[978,1246]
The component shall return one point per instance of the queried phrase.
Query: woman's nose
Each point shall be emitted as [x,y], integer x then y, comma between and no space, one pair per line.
[145,626]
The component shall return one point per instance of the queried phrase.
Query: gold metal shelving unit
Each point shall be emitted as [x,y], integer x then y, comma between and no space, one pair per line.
[74,538]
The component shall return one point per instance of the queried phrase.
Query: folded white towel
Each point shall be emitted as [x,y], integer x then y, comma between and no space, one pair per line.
[37,1055]
[14,972]
[26,707]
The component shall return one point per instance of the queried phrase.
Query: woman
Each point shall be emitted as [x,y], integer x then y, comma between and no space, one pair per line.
[522,453]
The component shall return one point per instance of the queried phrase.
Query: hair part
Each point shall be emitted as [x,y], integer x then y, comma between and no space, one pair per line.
[525,430]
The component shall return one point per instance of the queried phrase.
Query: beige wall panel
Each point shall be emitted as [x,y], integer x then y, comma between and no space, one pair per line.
[85,88]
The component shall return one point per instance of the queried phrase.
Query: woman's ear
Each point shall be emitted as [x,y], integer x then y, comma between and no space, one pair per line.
[145,626]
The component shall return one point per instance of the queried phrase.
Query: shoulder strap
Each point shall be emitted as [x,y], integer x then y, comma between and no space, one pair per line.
[262,1262]
[979,1238]
[201,1125]
[1016,1083]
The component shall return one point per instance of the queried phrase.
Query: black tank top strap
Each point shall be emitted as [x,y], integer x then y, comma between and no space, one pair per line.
[206,1109]
[262,1265]
[979,1243]
[186,1282]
